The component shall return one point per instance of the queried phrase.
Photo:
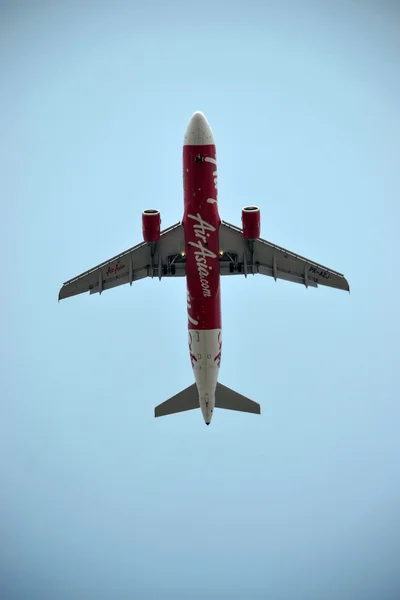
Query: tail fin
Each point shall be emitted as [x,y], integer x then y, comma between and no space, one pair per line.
[230,400]
[188,399]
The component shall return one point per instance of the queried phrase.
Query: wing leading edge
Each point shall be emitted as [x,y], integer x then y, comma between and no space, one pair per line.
[242,256]
[161,259]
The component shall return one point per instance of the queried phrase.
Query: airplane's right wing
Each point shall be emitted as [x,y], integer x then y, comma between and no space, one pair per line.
[242,256]
[164,258]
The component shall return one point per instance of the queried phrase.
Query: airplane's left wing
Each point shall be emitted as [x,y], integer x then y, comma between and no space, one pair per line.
[164,258]
[242,256]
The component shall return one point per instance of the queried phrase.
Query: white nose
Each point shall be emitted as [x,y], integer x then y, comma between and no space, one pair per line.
[198,132]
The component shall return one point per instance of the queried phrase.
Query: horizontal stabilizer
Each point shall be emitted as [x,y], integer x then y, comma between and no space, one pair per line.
[231,400]
[188,399]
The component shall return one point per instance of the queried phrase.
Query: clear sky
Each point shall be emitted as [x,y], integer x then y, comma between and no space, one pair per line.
[99,500]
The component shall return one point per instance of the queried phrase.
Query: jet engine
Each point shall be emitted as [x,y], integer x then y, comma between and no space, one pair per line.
[251,222]
[151,222]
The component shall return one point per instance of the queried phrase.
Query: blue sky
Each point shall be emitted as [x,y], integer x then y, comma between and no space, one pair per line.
[100,500]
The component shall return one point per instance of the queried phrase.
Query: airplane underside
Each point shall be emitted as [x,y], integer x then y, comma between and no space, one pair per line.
[203,248]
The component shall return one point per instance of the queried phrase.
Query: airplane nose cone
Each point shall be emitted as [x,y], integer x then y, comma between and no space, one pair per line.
[198,132]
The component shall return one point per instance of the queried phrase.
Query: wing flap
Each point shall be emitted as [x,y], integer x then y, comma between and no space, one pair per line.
[112,283]
[285,276]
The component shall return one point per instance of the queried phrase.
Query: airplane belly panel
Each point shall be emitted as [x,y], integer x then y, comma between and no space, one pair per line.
[205,355]
[201,223]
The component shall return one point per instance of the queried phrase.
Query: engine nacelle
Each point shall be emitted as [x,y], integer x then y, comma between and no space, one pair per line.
[151,224]
[251,219]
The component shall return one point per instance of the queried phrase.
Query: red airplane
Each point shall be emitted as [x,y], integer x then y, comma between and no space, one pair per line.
[202,248]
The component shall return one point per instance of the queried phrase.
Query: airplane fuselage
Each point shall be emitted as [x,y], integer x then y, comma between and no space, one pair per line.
[201,222]
[202,247]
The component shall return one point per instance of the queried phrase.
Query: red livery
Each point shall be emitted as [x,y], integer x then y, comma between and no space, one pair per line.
[201,223]
[202,248]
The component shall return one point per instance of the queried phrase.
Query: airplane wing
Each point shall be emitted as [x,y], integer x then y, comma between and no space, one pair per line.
[242,256]
[164,258]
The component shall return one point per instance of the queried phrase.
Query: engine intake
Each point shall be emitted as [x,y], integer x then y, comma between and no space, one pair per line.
[151,224]
[251,219]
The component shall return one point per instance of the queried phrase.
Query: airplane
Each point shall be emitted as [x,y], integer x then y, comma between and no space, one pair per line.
[201,248]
